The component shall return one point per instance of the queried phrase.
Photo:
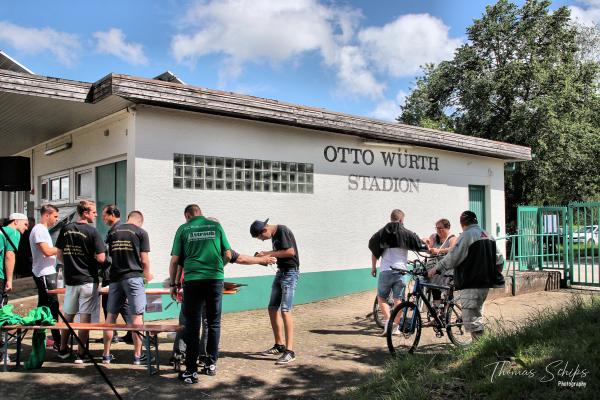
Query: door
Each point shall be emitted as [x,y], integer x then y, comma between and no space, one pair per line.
[477,204]
[111,188]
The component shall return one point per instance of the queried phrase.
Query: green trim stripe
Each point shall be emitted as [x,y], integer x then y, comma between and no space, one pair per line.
[312,286]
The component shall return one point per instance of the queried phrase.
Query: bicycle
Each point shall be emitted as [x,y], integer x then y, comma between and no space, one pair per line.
[404,338]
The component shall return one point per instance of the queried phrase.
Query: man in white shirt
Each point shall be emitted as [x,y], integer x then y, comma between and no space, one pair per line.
[44,263]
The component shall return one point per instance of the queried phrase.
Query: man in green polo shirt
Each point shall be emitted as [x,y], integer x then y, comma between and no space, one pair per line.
[9,244]
[202,244]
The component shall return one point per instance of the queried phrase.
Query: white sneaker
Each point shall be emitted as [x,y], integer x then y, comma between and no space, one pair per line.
[396,330]
[385,327]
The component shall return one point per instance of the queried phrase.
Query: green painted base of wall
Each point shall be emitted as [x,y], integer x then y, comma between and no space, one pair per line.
[312,286]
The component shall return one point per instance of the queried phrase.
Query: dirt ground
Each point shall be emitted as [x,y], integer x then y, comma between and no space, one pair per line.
[337,347]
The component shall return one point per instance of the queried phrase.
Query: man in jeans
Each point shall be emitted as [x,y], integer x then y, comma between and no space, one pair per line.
[283,288]
[81,249]
[477,264]
[44,263]
[202,244]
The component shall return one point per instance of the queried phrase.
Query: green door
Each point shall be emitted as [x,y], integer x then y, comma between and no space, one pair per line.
[477,204]
[111,188]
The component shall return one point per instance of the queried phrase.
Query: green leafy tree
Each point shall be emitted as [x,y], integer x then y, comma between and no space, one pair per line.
[527,76]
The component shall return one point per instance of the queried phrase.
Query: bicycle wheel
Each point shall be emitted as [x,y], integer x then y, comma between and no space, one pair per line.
[403,337]
[454,327]
[377,313]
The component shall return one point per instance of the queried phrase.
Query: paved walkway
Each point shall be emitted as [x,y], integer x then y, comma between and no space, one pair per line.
[337,347]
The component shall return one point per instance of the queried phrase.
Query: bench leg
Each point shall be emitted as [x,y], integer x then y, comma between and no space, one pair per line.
[148,352]
[5,351]
[156,348]
[19,338]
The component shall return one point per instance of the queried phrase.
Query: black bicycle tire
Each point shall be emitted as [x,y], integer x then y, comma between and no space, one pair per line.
[416,335]
[451,328]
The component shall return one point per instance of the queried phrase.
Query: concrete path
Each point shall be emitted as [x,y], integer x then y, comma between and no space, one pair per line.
[337,348]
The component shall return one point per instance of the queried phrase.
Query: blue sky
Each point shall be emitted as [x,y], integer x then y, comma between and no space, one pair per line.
[357,57]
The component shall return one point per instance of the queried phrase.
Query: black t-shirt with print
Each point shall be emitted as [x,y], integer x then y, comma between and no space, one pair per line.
[125,243]
[80,242]
[284,239]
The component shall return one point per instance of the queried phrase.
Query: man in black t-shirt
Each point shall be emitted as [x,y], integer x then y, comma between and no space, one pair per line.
[128,247]
[81,249]
[284,285]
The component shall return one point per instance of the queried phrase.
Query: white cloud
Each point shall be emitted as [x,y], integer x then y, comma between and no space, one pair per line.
[402,46]
[63,45]
[113,42]
[587,15]
[389,110]
[274,32]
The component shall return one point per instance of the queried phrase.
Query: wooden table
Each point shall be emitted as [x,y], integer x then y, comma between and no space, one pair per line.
[229,288]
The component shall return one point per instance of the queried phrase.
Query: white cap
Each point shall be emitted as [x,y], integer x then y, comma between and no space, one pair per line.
[15,216]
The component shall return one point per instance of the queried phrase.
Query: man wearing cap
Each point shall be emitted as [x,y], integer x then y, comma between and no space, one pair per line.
[477,264]
[202,244]
[43,265]
[9,244]
[283,287]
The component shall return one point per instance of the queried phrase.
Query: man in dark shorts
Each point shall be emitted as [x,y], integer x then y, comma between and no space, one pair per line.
[284,285]
[128,246]
[81,250]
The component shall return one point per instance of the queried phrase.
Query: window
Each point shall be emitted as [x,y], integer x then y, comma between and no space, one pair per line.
[84,184]
[239,174]
[59,188]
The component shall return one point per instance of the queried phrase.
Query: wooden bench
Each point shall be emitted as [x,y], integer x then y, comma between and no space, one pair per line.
[149,332]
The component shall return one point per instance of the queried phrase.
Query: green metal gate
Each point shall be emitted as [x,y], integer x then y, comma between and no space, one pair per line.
[584,219]
[563,238]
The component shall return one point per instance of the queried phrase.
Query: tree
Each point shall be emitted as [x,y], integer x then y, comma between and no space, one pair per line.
[526,76]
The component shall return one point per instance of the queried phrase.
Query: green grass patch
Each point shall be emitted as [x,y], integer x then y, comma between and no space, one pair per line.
[513,362]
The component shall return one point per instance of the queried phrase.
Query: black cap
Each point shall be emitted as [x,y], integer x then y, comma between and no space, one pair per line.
[257,227]
[468,218]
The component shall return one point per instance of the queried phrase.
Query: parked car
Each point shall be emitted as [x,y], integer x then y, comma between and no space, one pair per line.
[586,234]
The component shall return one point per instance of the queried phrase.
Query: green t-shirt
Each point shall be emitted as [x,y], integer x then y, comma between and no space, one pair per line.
[201,242]
[5,245]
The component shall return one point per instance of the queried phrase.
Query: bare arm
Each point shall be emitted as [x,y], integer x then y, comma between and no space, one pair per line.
[249,260]
[145,259]
[59,255]
[9,264]
[373,265]
[287,253]
[173,271]
[46,249]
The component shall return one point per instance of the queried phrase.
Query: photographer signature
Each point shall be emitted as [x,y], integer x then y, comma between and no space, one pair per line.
[556,369]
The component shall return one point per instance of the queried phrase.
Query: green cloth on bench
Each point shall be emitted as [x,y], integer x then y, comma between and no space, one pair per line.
[36,316]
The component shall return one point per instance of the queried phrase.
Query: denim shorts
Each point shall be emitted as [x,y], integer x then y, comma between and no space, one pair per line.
[390,280]
[131,289]
[282,290]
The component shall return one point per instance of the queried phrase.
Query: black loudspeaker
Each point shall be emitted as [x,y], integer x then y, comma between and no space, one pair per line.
[15,174]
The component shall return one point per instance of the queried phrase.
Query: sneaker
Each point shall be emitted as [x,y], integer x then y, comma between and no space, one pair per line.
[276,350]
[80,359]
[64,354]
[210,370]
[56,347]
[189,377]
[108,359]
[143,359]
[385,326]
[287,357]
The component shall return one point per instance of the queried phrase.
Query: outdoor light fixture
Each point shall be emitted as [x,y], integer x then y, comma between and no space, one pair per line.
[57,146]
[386,144]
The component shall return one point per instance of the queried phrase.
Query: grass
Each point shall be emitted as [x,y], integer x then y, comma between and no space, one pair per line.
[532,356]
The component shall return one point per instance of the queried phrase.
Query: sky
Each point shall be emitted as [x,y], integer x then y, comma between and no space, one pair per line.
[356,57]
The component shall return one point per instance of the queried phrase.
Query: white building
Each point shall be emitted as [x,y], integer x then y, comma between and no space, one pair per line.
[332,178]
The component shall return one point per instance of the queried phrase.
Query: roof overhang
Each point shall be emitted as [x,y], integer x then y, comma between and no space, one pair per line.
[34,109]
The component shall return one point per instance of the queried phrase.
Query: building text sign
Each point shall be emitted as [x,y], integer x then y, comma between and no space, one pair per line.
[390,159]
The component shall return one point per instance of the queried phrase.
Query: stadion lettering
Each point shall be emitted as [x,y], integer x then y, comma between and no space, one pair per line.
[402,160]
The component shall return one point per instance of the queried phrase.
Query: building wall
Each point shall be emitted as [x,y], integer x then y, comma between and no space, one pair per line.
[332,225]
[90,148]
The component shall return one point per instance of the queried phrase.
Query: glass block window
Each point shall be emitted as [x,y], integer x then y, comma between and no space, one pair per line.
[240,174]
